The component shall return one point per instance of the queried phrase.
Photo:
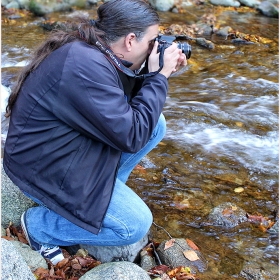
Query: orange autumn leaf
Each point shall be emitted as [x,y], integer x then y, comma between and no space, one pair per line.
[169,243]
[140,169]
[8,238]
[138,166]
[192,245]
[227,212]
[191,255]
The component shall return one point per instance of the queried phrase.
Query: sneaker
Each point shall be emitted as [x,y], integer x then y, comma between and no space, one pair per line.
[54,254]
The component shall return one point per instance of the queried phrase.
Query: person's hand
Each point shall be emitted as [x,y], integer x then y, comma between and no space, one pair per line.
[173,58]
[153,62]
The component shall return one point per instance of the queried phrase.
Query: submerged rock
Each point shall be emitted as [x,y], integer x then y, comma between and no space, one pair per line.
[249,273]
[227,215]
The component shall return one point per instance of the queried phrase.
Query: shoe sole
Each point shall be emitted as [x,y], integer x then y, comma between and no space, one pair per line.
[22,221]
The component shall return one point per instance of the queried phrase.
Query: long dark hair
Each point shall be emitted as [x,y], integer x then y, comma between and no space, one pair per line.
[115,19]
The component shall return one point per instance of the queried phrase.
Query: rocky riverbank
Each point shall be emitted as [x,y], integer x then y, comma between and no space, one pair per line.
[43,7]
[131,262]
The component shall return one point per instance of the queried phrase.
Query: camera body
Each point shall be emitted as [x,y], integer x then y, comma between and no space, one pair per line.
[164,41]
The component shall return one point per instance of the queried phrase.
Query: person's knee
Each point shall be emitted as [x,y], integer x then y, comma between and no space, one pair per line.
[138,228]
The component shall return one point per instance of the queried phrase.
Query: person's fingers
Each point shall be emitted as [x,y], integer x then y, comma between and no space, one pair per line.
[154,50]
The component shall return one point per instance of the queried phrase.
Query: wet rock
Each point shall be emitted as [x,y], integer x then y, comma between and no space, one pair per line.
[231,3]
[250,3]
[13,265]
[268,9]
[275,228]
[249,273]
[223,31]
[41,8]
[13,201]
[13,5]
[147,261]
[116,271]
[117,253]
[174,256]
[162,5]
[227,215]
[205,43]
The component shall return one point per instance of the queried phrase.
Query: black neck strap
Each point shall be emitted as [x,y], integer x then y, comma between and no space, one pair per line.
[119,65]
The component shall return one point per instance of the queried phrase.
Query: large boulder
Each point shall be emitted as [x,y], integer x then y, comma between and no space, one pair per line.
[31,257]
[13,201]
[116,271]
[107,254]
[13,265]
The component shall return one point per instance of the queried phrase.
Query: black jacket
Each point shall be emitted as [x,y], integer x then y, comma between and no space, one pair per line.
[69,125]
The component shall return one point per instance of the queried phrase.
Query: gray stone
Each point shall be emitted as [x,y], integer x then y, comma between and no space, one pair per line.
[116,271]
[223,31]
[31,257]
[13,5]
[162,5]
[250,273]
[3,231]
[13,201]
[227,215]
[174,255]
[274,228]
[147,261]
[107,254]
[230,3]
[13,265]
[268,9]
[250,3]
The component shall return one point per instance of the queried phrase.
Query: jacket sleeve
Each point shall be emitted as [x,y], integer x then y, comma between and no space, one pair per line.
[92,102]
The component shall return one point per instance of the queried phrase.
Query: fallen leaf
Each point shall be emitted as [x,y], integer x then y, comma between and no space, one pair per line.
[240,124]
[239,190]
[227,212]
[191,255]
[159,269]
[192,245]
[169,243]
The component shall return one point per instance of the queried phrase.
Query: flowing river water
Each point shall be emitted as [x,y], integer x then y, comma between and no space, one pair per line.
[222,135]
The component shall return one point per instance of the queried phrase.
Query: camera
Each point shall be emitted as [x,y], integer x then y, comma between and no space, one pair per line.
[164,41]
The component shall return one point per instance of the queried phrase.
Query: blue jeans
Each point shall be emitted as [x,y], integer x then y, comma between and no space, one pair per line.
[127,220]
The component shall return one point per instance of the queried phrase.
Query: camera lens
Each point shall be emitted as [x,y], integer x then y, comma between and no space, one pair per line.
[186,49]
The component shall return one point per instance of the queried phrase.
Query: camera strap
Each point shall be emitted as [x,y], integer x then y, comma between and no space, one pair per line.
[119,65]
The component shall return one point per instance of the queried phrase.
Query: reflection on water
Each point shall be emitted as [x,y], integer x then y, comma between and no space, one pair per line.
[222,117]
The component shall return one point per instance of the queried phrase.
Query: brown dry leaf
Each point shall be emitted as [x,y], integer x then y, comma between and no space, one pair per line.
[227,212]
[140,169]
[192,245]
[238,189]
[62,263]
[181,273]
[41,273]
[8,238]
[169,243]
[191,255]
